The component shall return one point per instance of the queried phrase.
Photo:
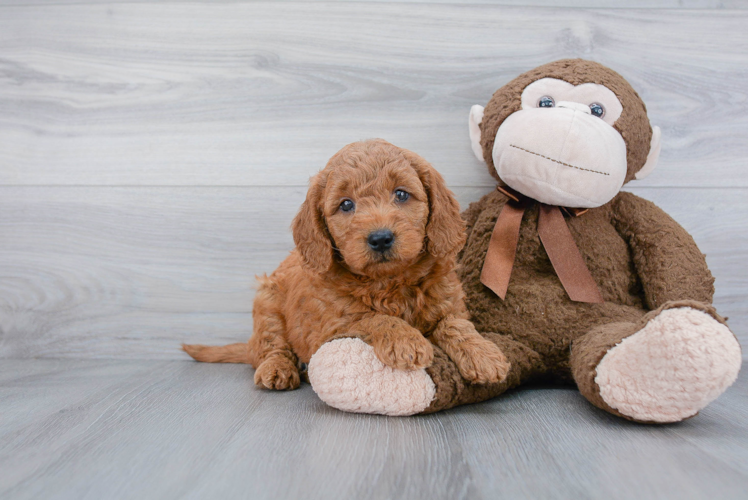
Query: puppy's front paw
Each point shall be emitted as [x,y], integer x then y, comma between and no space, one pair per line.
[482,362]
[405,351]
[277,373]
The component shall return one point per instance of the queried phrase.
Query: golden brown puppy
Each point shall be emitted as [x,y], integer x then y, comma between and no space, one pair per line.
[376,241]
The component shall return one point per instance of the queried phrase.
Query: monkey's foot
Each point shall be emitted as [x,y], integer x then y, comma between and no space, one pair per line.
[347,375]
[670,369]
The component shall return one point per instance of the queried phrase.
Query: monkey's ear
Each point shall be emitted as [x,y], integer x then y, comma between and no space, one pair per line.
[476,116]
[654,154]
[310,230]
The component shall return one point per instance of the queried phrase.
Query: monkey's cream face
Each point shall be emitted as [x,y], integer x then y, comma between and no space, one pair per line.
[561,147]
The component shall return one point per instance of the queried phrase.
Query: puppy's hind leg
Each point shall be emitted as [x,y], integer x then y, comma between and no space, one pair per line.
[269,352]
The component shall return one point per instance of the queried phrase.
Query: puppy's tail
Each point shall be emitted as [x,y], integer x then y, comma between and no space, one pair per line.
[232,353]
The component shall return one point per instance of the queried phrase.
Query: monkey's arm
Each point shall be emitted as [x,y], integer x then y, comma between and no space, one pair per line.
[471,215]
[668,262]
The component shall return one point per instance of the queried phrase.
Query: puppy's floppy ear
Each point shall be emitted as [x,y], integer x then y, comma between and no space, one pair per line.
[445,229]
[310,230]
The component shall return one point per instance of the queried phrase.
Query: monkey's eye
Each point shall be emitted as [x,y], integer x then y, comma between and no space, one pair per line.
[401,195]
[546,102]
[347,205]
[597,110]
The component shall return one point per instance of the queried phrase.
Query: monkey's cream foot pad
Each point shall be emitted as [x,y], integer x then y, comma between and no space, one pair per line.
[347,375]
[670,369]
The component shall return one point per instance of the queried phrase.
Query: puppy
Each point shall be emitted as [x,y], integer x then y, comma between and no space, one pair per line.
[376,242]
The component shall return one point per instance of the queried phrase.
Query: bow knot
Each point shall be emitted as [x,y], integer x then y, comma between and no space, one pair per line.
[558,243]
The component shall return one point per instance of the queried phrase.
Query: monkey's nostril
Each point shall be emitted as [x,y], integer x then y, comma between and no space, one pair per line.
[381,240]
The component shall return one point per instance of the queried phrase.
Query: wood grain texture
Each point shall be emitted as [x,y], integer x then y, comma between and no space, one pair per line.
[264,93]
[595,4]
[160,429]
[132,272]
[152,156]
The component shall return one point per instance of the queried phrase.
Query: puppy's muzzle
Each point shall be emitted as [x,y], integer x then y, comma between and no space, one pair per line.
[381,240]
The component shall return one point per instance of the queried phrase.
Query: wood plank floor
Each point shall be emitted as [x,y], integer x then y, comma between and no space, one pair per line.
[152,155]
[172,429]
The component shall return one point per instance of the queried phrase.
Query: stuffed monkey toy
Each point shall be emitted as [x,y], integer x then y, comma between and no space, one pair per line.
[573,279]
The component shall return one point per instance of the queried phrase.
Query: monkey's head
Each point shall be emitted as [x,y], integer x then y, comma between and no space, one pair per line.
[568,133]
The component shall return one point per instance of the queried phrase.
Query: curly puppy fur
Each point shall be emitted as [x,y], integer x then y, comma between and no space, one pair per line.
[402,302]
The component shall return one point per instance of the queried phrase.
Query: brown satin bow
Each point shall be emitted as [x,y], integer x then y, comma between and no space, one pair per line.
[557,241]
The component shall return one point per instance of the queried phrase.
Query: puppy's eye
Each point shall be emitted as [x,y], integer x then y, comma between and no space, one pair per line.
[546,102]
[401,195]
[347,205]
[597,110]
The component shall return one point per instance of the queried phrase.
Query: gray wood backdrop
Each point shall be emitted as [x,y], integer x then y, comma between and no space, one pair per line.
[152,155]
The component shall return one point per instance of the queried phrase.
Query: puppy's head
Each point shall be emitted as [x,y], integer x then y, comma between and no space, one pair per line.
[380,208]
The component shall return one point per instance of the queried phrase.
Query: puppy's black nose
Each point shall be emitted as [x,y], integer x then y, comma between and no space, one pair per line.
[381,240]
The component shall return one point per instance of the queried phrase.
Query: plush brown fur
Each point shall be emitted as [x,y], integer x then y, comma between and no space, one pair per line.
[640,258]
[333,285]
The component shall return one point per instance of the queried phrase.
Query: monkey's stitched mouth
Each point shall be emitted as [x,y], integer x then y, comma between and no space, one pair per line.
[556,161]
